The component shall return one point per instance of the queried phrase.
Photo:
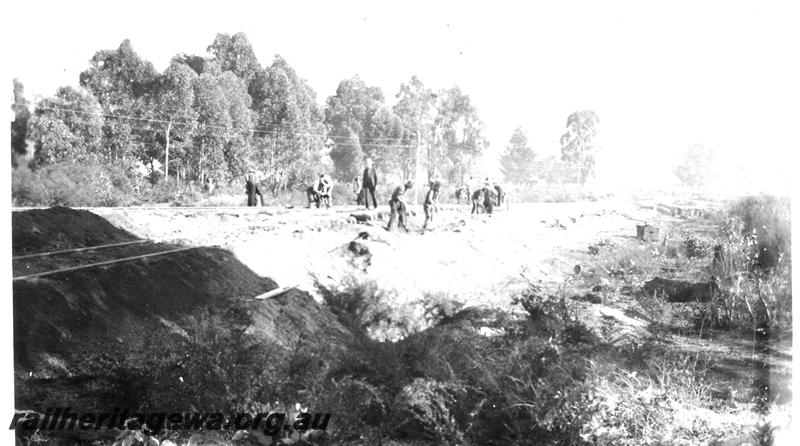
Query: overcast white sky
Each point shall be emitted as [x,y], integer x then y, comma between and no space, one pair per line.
[661,75]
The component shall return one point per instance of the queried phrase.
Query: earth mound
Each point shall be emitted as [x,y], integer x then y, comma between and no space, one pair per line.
[75,332]
[60,228]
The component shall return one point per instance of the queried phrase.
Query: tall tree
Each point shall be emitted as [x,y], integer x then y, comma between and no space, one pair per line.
[290,132]
[697,167]
[386,140]
[238,148]
[448,124]
[517,161]
[19,126]
[457,140]
[67,126]
[235,54]
[417,109]
[347,157]
[577,145]
[224,126]
[122,83]
[196,63]
[353,112]
[174,113]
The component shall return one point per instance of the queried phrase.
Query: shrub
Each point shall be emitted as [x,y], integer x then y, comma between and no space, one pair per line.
[198,374]
[767,221]
[530,383]
[26,189]
[71,184]
[359,408]
[359,303]
[752,266]
[424,410]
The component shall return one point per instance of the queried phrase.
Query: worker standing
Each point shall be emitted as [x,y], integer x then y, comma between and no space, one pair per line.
[324,186]
[397,205]
[251,187]
[369,182]
[358,189]
[431,205]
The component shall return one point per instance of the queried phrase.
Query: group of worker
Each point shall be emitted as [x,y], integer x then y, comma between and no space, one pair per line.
[487,197]
[319,194]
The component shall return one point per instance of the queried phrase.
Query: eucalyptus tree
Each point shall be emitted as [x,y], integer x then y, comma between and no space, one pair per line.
[66,127]
[517,161]
[578,145]
[123,84]
[290,134]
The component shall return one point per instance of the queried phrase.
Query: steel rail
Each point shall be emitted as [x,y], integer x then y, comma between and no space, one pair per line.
[104,263]
[86,248]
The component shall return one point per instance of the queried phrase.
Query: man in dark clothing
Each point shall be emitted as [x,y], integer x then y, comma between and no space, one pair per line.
[313,196]
[324,185]
[483,198]
[251,187]
[368,183]
[501,196]
[398,207]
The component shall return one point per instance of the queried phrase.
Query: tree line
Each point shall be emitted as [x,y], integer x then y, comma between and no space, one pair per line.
[215,116]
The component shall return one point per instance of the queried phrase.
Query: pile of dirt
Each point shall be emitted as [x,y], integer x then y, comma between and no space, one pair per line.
[73,330]
[61,228]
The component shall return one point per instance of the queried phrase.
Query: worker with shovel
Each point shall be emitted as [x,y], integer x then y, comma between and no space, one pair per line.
[397,204]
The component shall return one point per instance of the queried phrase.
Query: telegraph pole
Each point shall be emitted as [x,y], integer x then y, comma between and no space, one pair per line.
[416,170]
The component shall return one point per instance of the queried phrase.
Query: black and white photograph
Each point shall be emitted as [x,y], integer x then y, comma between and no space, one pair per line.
[400,223]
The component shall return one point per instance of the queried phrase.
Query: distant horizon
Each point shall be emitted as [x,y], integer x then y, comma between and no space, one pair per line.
[661,78]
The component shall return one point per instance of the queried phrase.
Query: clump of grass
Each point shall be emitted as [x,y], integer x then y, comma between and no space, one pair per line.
[752,264]
[647,394]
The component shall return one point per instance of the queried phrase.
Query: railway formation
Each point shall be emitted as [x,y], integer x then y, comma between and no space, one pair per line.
[35,265]
[238,209]
[23,262]
[142,243]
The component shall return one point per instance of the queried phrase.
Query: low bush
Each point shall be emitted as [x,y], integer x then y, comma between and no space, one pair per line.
[752,266]
[359,303]
[71,184]
[197,373]
[766,222]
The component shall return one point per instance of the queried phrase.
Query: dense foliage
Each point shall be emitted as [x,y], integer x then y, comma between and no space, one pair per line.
[208,119]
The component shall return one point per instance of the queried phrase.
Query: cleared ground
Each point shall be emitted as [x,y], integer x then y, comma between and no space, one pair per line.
[475,260]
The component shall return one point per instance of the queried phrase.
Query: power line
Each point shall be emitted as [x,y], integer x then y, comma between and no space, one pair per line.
[182,122]
[202,130]
[383,141]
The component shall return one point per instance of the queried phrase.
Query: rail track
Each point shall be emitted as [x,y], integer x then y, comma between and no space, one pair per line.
[86,248]
[45,264]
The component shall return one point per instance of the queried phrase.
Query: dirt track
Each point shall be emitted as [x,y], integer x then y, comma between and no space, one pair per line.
[468,257]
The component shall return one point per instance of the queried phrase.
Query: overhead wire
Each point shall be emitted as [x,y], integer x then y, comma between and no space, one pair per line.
[256,130]
[202,129]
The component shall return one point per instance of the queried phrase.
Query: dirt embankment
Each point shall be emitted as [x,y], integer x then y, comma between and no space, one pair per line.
[73,330]
[61,228]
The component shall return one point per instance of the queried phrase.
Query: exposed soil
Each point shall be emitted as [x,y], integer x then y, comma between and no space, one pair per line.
[61,321]
[61,228]
[70,327]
